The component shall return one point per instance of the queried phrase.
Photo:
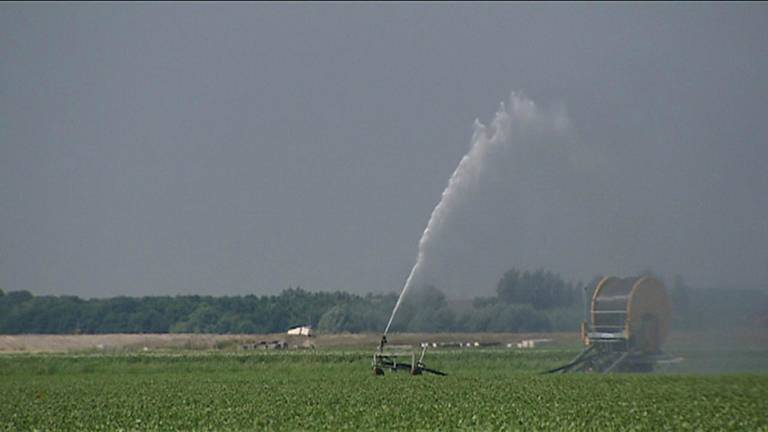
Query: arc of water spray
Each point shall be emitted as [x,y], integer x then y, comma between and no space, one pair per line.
[484,140]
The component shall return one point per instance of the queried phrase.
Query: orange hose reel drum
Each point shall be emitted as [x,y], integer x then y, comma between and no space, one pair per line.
[637,307]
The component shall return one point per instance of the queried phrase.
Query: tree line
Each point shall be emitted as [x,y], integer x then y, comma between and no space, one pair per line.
[524,301]
[537,301]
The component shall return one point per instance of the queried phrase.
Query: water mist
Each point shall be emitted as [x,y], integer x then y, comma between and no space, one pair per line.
[518,119]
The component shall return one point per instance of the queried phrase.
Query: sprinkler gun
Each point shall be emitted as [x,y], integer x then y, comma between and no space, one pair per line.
[389,360]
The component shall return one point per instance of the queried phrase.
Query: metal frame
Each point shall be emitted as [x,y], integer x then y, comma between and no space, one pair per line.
[383,360]
[611,349]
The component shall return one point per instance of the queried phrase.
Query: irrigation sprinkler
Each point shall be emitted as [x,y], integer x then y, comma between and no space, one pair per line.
[404,360]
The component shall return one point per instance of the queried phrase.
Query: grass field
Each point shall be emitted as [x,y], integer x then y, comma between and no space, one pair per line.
[335,390]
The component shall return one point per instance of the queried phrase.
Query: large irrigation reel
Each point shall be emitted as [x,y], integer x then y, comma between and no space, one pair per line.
[629,323]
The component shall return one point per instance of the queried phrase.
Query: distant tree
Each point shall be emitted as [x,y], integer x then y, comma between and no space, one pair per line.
[335,319]
[204,319]
[481,302]
[680,301]
[540,289]
[16,297]
[426,296]
[418,303]
[354,315]
[433,321]
[425,309]
[565,318]
[152,321]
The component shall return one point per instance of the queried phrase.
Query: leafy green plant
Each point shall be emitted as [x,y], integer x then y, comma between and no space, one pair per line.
[335,390]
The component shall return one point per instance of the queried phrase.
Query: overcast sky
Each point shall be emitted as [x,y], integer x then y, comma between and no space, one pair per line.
[242,148]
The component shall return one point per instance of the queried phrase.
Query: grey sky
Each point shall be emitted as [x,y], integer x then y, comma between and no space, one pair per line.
[242,148]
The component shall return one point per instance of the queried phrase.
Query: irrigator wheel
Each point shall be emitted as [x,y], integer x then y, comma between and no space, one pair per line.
[638,307]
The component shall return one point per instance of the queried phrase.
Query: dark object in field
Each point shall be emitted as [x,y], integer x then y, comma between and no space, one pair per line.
[271,345]
[389,360]
[629,323]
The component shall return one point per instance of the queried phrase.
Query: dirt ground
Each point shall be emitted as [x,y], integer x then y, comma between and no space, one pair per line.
[118,342]
[67,343]
[755,339]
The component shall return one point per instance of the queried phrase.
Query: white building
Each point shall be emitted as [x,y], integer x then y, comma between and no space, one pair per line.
[301,331]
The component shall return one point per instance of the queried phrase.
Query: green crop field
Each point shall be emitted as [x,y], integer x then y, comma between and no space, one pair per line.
[335,390]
